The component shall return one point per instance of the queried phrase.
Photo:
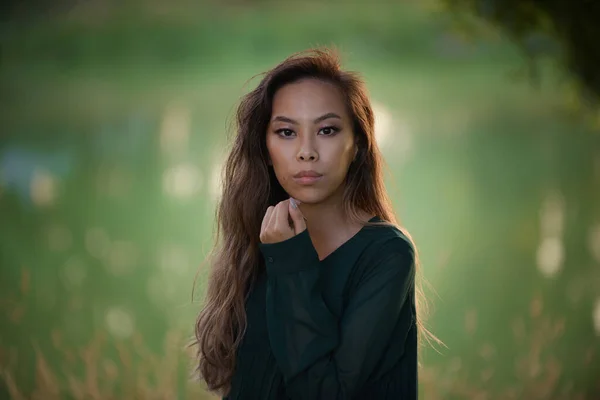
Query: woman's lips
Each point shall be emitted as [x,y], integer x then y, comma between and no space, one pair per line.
[307,180]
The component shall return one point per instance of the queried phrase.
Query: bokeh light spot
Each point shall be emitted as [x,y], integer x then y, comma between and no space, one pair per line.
[43,188]
[550,256]
[119,323]
[182,181]
[596,316]
[594,242]
[173,259]
[175,130]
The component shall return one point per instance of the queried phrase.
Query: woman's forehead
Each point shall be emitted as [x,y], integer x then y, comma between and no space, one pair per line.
[308,99]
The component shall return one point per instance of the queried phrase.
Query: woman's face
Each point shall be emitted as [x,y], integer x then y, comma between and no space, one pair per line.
[310,130]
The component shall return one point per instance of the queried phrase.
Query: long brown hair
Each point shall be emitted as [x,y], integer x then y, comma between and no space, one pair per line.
[250,186]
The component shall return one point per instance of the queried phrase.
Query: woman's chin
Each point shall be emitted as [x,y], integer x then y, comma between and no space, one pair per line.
[308,196]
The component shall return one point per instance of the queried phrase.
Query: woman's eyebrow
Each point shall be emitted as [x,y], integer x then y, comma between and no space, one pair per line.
[316,121]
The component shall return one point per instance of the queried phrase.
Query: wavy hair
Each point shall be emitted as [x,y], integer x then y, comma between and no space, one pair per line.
[250,187]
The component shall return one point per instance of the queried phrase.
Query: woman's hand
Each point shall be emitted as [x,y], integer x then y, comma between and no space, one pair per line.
[276,226]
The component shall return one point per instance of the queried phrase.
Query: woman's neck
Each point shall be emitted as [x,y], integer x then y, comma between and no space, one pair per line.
[329,227]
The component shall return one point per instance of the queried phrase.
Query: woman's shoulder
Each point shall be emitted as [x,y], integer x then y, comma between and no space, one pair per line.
[387,238]
[386,248]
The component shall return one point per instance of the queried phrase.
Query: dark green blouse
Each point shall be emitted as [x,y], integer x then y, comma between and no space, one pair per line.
[340,328]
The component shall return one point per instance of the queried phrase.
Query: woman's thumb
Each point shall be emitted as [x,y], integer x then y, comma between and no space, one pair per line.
[297,217]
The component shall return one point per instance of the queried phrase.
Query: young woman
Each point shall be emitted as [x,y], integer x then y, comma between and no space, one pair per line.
[312,293]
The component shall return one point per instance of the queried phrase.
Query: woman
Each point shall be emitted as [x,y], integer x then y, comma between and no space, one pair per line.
[312,293]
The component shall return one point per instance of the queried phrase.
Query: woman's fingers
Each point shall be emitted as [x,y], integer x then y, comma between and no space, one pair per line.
[265,222]
[297,216]
[281,222]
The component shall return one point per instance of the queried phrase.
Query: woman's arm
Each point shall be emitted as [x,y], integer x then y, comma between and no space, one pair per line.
[320,356]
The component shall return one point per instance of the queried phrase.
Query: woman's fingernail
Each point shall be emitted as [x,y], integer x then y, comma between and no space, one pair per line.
[293,203]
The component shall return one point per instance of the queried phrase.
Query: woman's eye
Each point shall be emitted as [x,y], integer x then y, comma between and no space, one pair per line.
[284,132]
[329,130]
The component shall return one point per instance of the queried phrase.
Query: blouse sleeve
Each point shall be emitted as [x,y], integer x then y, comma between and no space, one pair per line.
[320,356]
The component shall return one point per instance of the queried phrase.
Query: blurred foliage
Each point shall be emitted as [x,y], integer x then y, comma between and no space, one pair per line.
[206,34]
[565,30]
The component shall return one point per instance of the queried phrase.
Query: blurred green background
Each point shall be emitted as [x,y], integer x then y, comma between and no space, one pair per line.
[114,128]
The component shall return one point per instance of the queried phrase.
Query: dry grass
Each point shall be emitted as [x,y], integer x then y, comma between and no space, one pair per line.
[106,368]
[92,372]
